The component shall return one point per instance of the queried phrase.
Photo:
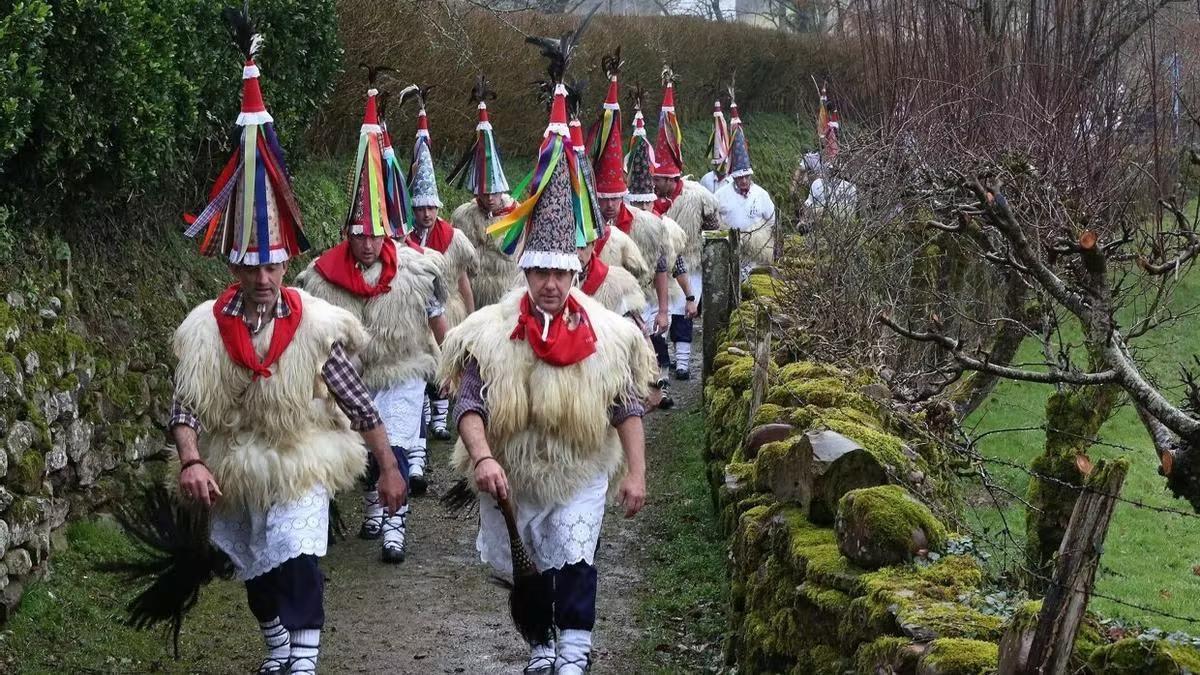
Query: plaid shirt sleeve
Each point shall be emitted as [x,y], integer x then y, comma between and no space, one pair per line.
[679,268]
[349,391]
[630,406]
[181,414]
[470,393]
[660,266]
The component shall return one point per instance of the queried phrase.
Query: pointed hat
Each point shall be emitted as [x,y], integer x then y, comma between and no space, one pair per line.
[423,189]
[481,170]
[608,161]
[640,161]
[399,203]
[718,141]
[252,217]
[369,213]
[668,148]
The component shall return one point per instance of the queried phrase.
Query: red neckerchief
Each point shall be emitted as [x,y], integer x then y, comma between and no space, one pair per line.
[339,268]
[504,210]
[597,272]
[439,237]
[563,345]
[601,243]
[624,221]
[236,336]
[663,204]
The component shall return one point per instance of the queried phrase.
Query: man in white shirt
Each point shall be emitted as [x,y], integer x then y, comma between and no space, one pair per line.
[745,206]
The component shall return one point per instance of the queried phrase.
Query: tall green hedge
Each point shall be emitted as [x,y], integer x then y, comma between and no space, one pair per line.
[101,102]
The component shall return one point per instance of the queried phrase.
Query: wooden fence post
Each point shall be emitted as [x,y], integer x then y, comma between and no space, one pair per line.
[762,362]
[718,300]
[1050,646]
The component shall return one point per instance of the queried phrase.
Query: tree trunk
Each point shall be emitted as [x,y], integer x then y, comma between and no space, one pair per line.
[1073,418]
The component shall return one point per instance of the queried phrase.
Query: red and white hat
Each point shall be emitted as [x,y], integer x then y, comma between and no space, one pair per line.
[668,153]
[609,162]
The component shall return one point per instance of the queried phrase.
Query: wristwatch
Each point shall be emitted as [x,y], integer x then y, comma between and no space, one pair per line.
[690,298]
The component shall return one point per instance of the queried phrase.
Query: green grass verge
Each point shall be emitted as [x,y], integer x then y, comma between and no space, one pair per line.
[70,622]
[1149,558]
[683,608]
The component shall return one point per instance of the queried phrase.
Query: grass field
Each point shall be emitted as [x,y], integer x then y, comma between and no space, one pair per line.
[1151,559]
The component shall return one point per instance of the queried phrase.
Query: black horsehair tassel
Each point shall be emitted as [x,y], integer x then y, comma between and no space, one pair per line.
[176,560]
[530,601]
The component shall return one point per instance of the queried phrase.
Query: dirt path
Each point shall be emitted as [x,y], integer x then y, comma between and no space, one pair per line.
[438,613]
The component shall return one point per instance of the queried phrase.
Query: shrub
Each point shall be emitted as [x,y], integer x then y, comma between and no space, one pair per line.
[134,94]
[772,69]
[22,46]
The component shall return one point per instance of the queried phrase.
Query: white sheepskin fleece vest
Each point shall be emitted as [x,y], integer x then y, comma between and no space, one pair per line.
[621,251]
[695,209]
[460,257]
[678,243]
[548,426]
[620,293]
[401,345]
[497,270]
[272,439]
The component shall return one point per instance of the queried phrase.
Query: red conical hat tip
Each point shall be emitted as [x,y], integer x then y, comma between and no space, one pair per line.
[483,113]
[371,115]
[422,120]
[717,108]
[612,101]
[558,112]
[668,103]
[253,111]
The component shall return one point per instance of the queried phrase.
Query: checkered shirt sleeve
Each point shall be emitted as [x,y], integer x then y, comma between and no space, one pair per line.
[348,390]
[470,393]
[680,267]
[661,266]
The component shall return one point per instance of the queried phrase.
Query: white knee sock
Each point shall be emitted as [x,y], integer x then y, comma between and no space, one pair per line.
[372,510]
[441,408]
[416,460]
[683,355]
[541,656]
[395,528]
[574,651]
[306,646]
[426,412]
[276,638]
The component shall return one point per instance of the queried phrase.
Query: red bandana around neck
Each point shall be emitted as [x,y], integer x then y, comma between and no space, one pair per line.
[235,335]
[339,268]
[624,221]
[663,204]
[439,237]
[563,345]
[597,272]
[601,243]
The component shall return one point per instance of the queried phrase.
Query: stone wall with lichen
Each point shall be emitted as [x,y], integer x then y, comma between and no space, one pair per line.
[838,562]
[85,384]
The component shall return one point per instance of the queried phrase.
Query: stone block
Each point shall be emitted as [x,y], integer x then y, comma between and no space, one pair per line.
[20,438]
[56,459]
[59,541]
[6,497]
[79,439]
[886,525]
[67,410]
[18,562]
[32,363]
[10,599]
[4,538]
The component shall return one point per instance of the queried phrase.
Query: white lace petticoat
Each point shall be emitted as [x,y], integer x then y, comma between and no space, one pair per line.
[558,534]
[259,541]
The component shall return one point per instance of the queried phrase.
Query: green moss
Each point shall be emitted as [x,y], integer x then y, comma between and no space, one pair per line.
[1150,657]
[9,364]
[889,515]
[827,392]
[760,286]
[828,600]
[812,551]
[770,413]
[821,660]
[920,597]
[889,654]
[23,509]
[737,374]
[957,656]
[26,473]
[807,370]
